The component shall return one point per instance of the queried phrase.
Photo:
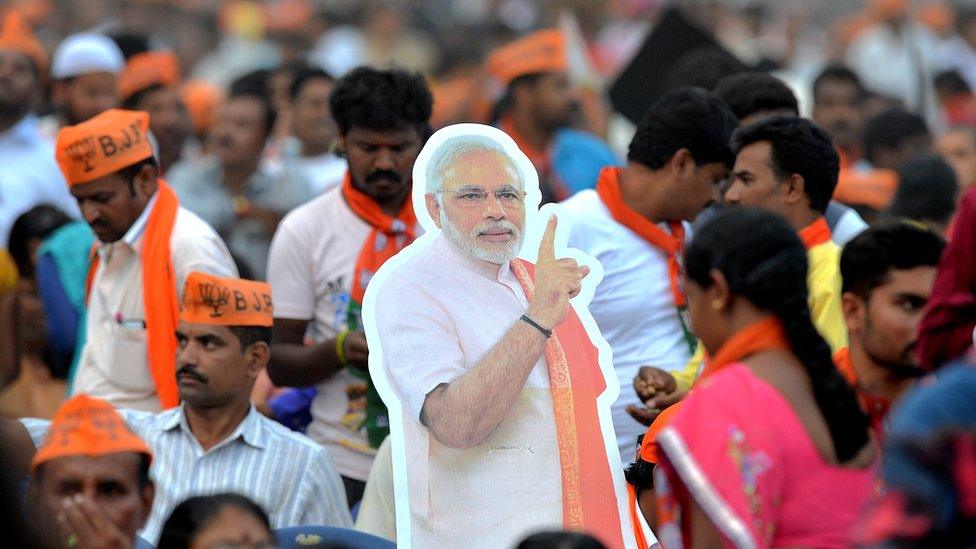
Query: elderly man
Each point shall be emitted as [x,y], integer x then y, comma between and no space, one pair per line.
[496,377]
[216,441]
[90,480]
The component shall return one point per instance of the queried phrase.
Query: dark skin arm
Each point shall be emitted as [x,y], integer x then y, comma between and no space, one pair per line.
[704,534]
[19,447]
[294,364]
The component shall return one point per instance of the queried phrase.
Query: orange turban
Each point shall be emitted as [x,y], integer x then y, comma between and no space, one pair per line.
[201,100]
[144,70]
[105,144]
[209,299]
[16,35]
[86,426]
[542,51]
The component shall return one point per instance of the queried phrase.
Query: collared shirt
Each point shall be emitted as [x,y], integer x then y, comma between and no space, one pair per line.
[30,175]
[288,475]
[114,363]
[633,305]
[437,315]
[201,189]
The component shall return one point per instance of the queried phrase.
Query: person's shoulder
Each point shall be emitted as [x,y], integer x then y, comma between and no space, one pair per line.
[318,213]
[585,208]
[190,227]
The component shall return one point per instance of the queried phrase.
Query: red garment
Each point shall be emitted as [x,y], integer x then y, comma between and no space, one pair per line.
[946,331]
[875,407]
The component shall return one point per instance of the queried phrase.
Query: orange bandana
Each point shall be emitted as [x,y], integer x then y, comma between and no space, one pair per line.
[209,299]
[389,235]
[201,100]
[874,406]
[105,144]
[86,426]
[16,35]
[145,70]
[542,51]
[815,233]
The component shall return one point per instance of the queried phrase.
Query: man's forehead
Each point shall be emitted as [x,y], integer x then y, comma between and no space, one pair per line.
[484,161]
[12,55]
[118,466]
[192,329]
[110,182]
[383,137]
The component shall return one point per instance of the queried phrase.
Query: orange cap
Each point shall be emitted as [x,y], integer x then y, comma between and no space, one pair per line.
[209,299]
[105,144]
[144,70]
[542,51]
[201,100]
[16,35]
[649,448]
[287,15]
[86,426]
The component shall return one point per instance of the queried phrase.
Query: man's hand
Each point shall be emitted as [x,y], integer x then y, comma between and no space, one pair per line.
[657,389]
[556,282]
[89,526]
[357,353]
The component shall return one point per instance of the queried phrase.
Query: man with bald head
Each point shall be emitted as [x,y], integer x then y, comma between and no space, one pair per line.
[499,419]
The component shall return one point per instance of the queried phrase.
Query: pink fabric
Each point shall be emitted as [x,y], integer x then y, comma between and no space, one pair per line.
[738,448]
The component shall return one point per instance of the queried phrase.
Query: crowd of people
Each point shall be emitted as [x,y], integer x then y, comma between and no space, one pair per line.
[777,204]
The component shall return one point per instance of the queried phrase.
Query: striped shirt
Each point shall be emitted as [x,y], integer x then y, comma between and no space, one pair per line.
[288,475]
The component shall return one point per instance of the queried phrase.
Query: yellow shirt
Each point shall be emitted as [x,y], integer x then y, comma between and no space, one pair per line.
[824,287]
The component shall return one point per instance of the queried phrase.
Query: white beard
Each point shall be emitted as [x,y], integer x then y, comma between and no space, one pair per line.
[497,253]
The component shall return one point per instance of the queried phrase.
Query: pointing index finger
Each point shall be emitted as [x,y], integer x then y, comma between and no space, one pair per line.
[547,248]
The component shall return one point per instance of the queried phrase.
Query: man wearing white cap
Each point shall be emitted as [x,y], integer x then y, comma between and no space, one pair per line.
[85,71]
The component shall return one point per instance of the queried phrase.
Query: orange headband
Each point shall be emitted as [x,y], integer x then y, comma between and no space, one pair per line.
[209,299]
[16,35]
[148,69]
[105,144]
[542,51]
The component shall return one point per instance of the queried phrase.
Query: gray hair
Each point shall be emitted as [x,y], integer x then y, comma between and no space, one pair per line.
[450,152]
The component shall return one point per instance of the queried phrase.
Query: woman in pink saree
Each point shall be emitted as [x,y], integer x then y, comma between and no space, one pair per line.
[770,449]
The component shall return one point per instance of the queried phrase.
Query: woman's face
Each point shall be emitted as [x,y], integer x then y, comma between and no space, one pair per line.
[233,528]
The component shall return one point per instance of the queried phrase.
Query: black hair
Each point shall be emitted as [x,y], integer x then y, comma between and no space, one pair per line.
[889,129]
[749,93]
[255,85]
[560,540]
[685,118]
[798,146]
[764,262]
[249,335]
[868,258]
[305,74]
[927,190]
[951,83]
[130,43]
[381,100]
[507,101]
[838,72]
[703,67]
[37,223]
[640,473]
[129,173]
[194,514]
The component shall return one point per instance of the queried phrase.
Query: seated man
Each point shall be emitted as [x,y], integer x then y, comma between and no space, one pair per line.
[216,441]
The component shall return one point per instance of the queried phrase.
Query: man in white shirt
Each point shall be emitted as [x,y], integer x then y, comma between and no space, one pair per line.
[310,151]
[30,176]
[635,223]
[490,367]
[324,252]
[216,441]
[147,245]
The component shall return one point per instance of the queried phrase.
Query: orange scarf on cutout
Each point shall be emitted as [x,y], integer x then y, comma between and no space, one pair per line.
[761,335]
[575,380]
[159,294]
[389,235]
[815,233]
[608,187]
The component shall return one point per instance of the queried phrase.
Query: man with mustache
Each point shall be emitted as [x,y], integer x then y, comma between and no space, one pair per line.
[888,274]
[231,188]
[325,252]
[494,375]
[216,441]
[147,246]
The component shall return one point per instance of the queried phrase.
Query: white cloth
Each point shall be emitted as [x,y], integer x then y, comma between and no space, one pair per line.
[86,53]
[114,364]
[310,268]
[437,315]
[30,175]
[323,172]
[377,511]
[288,475]
[633,304]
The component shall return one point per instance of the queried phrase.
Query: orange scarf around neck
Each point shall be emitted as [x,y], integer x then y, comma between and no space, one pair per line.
[159,294]
[608,187]
[815,233]
[389,234]
[575,380]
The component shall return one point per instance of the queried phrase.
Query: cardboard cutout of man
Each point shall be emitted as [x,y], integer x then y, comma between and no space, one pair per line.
[499,386]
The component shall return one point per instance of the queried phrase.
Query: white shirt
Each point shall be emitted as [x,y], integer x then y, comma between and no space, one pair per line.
[310,268]
[288,475]
[114,364]
[633,304]
[437,315]
[29,176]
[377,511]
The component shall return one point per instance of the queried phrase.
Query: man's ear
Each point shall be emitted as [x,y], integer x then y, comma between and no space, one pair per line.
[794,189]
[681,163]
[433,208]
[257,356]
[854,309]
[340,146]
[147,497]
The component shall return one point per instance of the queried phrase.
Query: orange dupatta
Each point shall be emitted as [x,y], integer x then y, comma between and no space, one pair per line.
[761,335]
[634,518]
[815,233]
[389,235]
[575,380]
[159,294]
